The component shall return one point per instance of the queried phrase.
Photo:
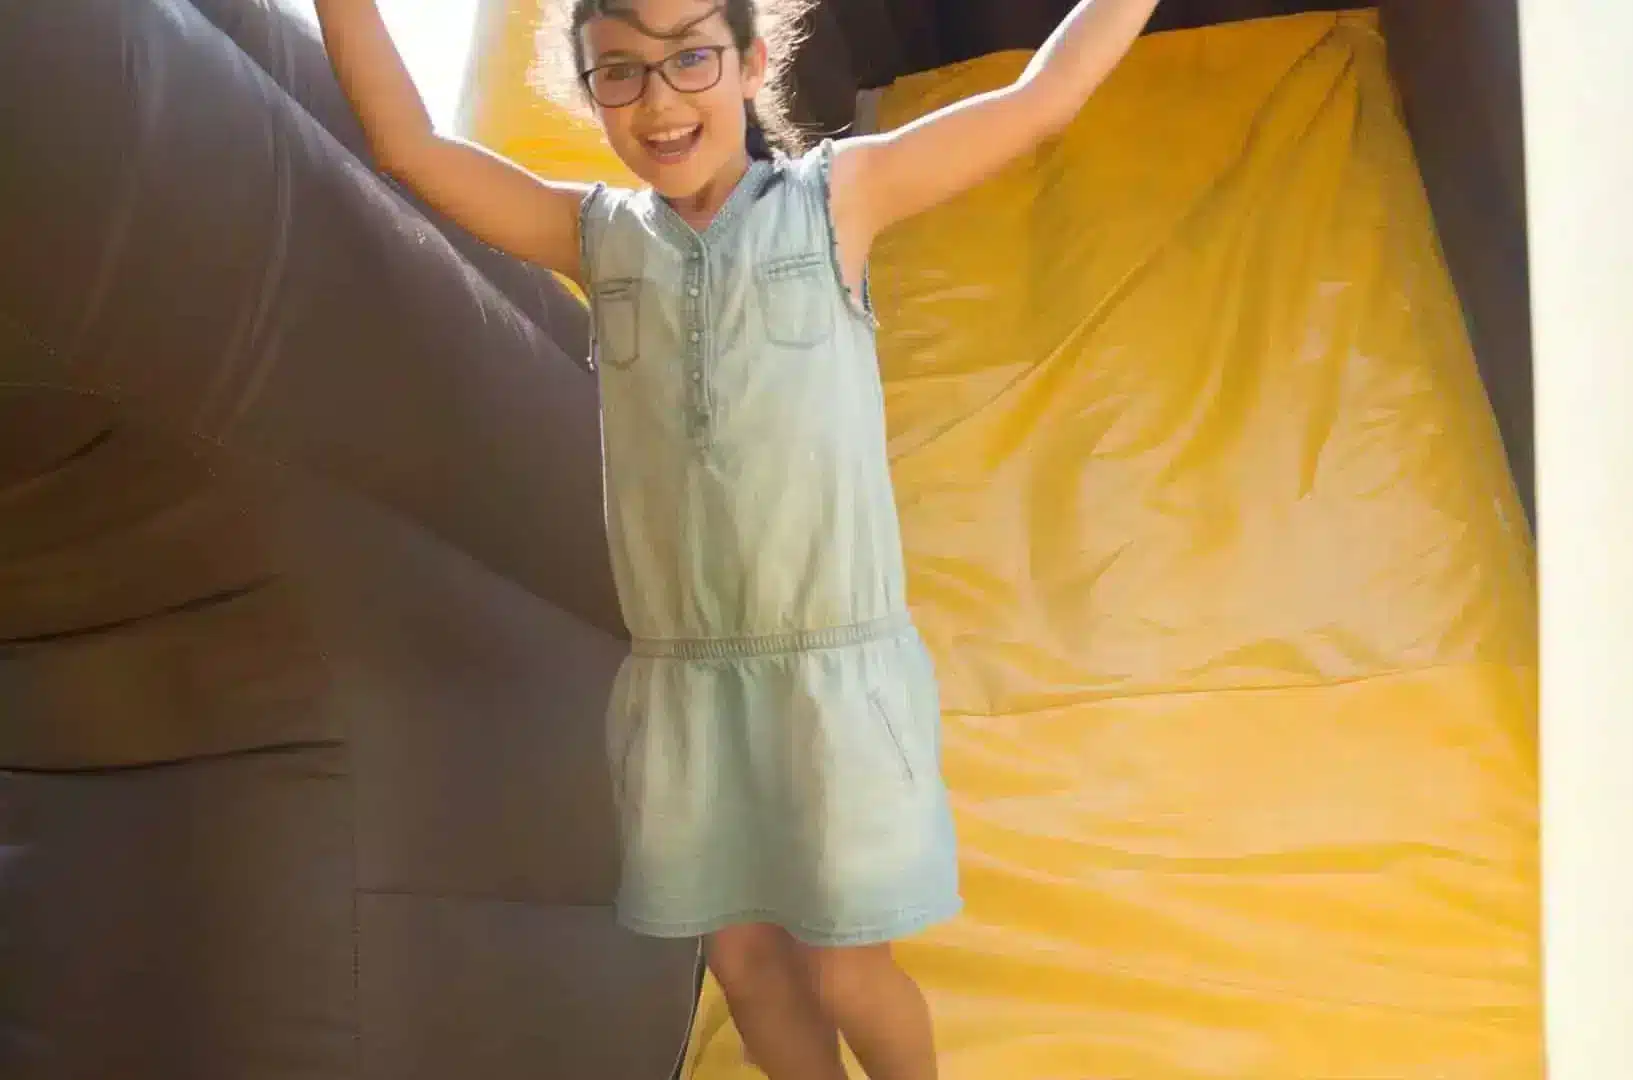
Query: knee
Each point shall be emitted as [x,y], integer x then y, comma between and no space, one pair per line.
[744,959]
[847,978]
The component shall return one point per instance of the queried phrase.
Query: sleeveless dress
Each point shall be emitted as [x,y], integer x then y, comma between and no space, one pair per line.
[774,734]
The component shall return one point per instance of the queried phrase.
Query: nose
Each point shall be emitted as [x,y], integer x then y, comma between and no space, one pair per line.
[659,94]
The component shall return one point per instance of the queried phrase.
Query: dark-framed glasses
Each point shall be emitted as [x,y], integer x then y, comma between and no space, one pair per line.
[622,82]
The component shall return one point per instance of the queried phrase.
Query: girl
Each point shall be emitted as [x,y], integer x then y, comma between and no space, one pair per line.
[774,735]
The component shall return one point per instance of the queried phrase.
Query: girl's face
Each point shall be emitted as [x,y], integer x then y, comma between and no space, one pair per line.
[670,87]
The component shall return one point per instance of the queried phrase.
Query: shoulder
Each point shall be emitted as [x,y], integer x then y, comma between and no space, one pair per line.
[802,185]
[811,169]
[828,177]
[606,214]
[604,202]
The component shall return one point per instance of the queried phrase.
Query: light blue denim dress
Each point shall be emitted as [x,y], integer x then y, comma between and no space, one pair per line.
[774,736]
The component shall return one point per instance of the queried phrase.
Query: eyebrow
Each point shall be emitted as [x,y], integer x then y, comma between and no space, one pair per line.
[627,54]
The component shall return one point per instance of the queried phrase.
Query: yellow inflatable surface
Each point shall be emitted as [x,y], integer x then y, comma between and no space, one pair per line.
[1231,597]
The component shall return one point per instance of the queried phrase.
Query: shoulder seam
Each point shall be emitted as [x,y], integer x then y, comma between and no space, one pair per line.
[823,154]
[587,225]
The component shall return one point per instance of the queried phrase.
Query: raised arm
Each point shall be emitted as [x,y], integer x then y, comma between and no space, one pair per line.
[493,198]
[881,179]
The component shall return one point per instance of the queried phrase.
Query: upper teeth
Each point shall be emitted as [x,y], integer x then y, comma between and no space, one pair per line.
[673,134]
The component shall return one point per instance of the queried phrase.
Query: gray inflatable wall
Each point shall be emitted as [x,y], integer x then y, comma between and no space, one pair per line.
[305,619]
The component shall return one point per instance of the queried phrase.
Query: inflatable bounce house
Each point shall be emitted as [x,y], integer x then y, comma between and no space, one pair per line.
[1211,425]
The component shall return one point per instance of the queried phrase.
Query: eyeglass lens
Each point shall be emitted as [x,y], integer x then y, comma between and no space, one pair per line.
[689,71]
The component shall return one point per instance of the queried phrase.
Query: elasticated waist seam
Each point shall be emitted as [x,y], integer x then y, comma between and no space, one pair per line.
[793,641]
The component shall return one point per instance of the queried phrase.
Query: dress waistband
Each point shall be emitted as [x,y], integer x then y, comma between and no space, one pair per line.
[792,641]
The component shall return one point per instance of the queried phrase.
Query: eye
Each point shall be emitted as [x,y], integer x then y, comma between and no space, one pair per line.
[692,57]
[619,72]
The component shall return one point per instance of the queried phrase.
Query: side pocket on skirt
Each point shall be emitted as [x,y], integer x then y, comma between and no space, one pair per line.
[624,729]
[880,708]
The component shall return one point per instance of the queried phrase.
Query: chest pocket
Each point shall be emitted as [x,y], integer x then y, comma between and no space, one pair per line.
[795,294]
[618,322]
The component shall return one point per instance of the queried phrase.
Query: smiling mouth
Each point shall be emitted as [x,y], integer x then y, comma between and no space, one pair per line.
[672,144]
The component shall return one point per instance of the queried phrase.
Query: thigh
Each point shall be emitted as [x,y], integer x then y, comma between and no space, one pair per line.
[738,952]
[870,821]
[746,953]
[686,861]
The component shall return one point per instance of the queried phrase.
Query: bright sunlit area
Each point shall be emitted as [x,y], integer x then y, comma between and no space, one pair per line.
[435,38]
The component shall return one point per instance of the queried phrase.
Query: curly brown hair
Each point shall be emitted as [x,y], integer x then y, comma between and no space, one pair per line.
[779,22]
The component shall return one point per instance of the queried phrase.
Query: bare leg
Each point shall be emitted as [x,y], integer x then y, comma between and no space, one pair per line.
[774,1003]
[878,1008]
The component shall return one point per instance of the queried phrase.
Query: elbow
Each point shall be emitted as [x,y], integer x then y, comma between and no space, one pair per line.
[1053,125]
[399,157]
[1049,109]
[390,159]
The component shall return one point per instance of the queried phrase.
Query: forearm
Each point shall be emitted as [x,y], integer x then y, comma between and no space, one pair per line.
[1082,51]
[373,76]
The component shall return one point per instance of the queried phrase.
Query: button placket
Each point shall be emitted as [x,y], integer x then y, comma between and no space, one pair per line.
[697,344]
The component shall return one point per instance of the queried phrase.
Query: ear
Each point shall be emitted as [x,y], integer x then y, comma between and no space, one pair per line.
[755,58]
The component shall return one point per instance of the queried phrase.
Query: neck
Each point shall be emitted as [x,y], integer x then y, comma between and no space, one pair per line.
[700,207]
